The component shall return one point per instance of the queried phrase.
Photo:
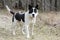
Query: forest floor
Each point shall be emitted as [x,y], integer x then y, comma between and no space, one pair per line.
[46,28]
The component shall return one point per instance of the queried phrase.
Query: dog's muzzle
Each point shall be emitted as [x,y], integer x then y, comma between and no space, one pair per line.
[33,15]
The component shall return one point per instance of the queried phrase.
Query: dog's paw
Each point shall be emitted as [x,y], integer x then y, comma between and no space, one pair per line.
[14,33]
[33,34]
[23,31]
[28,36]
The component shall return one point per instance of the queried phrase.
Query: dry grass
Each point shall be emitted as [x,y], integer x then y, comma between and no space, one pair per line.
[46,28]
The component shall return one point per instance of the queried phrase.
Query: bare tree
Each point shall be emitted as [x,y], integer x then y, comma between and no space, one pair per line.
[44,5]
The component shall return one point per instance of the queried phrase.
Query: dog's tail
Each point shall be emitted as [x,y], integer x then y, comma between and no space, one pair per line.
[9,10]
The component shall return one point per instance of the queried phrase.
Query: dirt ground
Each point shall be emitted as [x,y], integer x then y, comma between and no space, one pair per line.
[46,28]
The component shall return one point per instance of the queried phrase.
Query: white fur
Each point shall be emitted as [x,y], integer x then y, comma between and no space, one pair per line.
[7,8]
[27,22]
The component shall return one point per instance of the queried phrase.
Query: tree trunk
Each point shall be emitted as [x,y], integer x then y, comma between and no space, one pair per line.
[58,5]
[43,5]
[47,5]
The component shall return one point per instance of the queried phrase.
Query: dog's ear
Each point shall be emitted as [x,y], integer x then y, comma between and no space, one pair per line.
[30,6]
[36,6]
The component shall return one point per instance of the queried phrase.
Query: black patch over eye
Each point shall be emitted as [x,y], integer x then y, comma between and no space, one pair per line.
[31,10]
[35,10]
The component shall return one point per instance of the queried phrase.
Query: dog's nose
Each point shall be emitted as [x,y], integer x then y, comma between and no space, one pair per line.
[33,15]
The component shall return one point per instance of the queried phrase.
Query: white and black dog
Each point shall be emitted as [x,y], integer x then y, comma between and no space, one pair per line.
[27,18]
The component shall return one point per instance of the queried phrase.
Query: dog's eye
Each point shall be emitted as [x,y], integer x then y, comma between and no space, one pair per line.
[35,10]
[31,10]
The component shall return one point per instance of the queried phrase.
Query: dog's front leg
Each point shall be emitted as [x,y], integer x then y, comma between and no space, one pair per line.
[33,30]
[33,21]
[27,31]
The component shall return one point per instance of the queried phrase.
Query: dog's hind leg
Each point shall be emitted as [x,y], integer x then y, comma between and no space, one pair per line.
[14,22]
[24,29]
[13,28]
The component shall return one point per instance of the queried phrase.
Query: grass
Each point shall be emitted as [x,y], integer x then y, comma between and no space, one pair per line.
[46,28]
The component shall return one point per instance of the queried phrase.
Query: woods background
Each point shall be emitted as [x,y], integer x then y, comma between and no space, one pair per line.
[47,24]
[44,5]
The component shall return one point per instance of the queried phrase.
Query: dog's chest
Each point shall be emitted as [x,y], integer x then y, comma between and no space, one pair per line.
[20,17]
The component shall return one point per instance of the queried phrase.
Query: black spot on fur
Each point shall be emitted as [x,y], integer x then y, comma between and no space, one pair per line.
[11,12]
[35,10]
[20,17]
[31,10]
[30,6]
[13,18]
[36,6]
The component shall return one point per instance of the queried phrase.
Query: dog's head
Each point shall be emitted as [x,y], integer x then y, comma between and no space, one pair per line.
[33,10]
